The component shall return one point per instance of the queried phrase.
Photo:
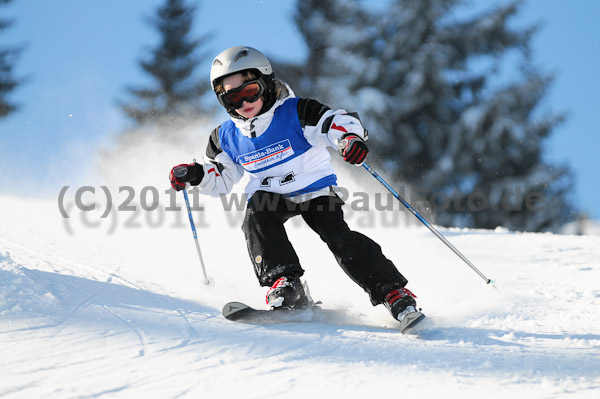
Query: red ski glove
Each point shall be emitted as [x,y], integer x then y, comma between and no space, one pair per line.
[186,173]
[353,149]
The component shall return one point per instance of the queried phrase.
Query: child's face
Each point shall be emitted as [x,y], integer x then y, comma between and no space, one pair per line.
[247,110]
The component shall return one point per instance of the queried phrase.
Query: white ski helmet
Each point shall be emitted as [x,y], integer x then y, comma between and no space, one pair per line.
[241,58]
[236,59]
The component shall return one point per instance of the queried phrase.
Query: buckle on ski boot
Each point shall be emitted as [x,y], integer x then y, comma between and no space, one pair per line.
[288,292]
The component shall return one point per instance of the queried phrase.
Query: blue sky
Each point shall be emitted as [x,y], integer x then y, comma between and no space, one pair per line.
[80,54]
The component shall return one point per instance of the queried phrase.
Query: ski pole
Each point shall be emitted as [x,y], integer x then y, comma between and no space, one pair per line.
[180,172]
[425,222]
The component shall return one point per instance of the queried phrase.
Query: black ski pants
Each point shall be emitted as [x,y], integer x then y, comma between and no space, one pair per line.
[274,256]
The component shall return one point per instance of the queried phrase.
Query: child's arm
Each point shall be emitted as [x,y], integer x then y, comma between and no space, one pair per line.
[323,126]
[221,173]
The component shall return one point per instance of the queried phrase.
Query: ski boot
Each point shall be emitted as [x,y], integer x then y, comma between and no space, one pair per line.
[288,293]
[400,302]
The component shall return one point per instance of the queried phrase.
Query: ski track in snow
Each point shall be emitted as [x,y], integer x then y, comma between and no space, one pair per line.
[90,316]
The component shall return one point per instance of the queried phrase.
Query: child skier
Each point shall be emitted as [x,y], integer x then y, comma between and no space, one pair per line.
[281,140]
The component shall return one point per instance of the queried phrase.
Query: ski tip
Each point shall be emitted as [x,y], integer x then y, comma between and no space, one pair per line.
[410,321]
[232,310]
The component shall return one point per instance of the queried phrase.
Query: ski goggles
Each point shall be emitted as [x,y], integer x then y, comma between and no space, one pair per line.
[249,92]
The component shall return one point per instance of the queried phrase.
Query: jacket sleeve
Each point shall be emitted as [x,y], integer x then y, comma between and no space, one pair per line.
[221,173]
[324,126]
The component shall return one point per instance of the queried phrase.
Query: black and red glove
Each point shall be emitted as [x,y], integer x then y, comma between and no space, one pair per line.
[186,173]
[353,149]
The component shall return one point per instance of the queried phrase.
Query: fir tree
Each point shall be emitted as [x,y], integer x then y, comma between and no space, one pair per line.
[174,91]
[8,82]
[333,30]
[426,86]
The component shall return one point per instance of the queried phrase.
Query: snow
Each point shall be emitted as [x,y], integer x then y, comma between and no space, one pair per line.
[582,226]
[88,312]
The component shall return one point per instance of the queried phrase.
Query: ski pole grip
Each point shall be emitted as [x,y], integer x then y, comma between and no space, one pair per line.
[180,171]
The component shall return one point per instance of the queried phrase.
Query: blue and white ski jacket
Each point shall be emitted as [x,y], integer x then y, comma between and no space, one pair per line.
[284,150]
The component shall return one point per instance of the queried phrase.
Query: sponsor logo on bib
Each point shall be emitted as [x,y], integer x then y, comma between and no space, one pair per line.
[266,156]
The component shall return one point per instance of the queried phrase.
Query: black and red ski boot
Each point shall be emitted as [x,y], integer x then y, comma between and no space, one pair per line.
[400,302]
[288,292]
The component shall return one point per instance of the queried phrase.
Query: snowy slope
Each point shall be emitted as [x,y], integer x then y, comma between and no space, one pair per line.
[86,312]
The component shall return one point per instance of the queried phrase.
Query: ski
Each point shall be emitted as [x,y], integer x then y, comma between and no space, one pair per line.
[240,312]
[411,320]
